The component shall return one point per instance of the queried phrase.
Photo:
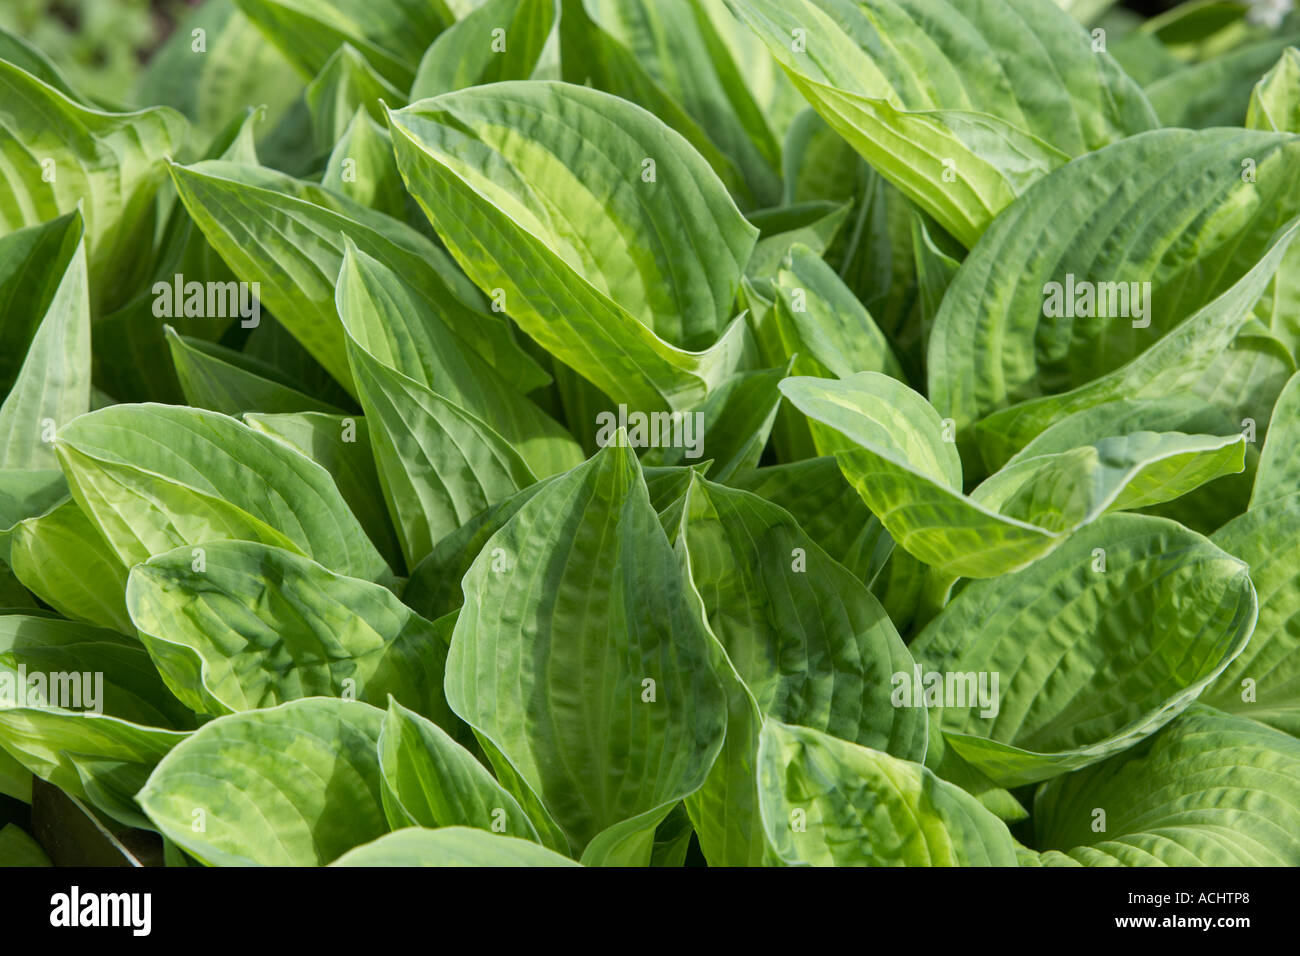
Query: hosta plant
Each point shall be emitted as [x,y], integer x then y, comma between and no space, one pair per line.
[656,432]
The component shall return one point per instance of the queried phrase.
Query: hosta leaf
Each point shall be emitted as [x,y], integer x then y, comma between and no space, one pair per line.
[156,477]
[827,322]
[585,264]
[678,47]
[34,265]
[1279,471]
[234,67]
[1094,647]
[27,494]
[1275,101]
[240,625]
[1209,790]
[52,385]
[289,237]
[362,168]
[439,464]
[432,781]
[828,802]
[806,638]
[1124,473]
[341,445]
[817,495]
[253,780]
[1264,681]
[101,749]
[1217,91]
[890,444]
[398,328]
[230,382]
[814,225]
[60,153]
[582,663]
[65,561]
[1170,208]
[737,420]
[18,51]
[19,849]
[451,846]
[391,33]
[499,40]
[1174,361]
[345,84]
[946,101]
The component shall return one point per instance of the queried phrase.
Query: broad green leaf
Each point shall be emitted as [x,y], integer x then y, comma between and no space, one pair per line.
[582,663]
[235,626]
[814,225]
[26,494]
[591,56]
[19,849]
[59,153]
[345,84]
[1217,91]
[935,270]
[805,638]
[818,163]
[1124,473]
[157,477]
[398,328]
[22,54]
[15,779]
[362,168]
[622,273]
[1209,790]
[65,561]
[254,780]
[1279,470]
[439,464]
[1263,682]
[392,34]
[1111,252]
[230,382]
[432,781]
[817,495]
[948,102]
[451,846]
[341,445]
[680,50]
[91,715]
[434,587]
[1093,648]
[1275,101]
[52,386]
[829,802]
[34,265]
[211,82]
[826,322]
[731,427]
[288,236]
[499,40]
[1173,362]
[890,444]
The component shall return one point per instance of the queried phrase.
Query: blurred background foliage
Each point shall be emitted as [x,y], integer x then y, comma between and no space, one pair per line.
[101,45]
